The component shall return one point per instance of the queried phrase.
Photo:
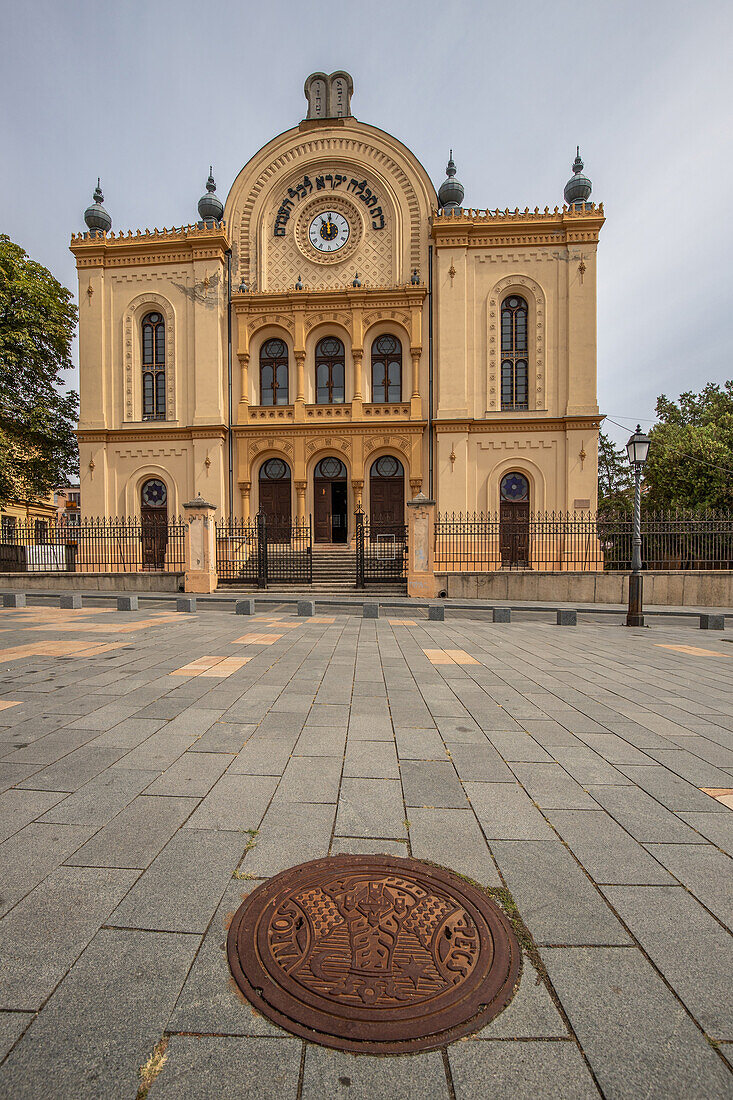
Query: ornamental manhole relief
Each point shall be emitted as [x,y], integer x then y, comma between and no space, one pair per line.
[373,953]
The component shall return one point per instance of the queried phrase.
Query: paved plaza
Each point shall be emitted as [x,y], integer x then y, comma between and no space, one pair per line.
[155,767]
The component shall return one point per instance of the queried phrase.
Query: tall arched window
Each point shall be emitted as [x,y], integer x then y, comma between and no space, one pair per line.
[153,335]
[514,372]
[386,369]
[274,373]
[330,371]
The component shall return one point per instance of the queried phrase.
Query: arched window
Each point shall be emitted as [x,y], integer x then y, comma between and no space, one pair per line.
[153,335]
[330,360]
[514,372]
[386,369]
[274,373]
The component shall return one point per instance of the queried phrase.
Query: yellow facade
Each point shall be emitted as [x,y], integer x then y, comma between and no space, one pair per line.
[404,262]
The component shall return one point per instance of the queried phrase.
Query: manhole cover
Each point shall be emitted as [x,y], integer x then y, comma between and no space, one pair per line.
[373,953]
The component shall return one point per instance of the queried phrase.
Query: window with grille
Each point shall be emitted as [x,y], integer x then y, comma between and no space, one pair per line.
[514,362]
[153,336]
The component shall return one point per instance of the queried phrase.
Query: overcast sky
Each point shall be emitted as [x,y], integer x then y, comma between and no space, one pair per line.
[148,94]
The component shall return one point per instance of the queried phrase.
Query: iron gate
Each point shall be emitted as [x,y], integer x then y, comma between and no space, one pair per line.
[381,552]
[260,553]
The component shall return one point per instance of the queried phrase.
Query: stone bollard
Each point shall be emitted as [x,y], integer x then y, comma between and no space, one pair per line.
[70,603]
[502,615]
[712,622]
[306,607]
[14,599]
[567,617]
[371,611]
[436,613]
[244,607]
[186,604]
[127,603]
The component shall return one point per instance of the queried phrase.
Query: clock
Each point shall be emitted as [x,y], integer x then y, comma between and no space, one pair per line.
[329,231]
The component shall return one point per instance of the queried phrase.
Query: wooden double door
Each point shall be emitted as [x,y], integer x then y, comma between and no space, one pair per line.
[387,496]
[330,501]
[275,499]
[514,521]
[153,524]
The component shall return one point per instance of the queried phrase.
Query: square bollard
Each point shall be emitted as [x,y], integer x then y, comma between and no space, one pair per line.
[502,615]
[244,607]
[567,617]
[306,607]
[370,611]
[188,604]
[70,603]
[436,613]
[14,599]
[127,603]
[712,622]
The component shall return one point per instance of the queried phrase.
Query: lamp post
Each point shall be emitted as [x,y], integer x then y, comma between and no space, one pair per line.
[637,449]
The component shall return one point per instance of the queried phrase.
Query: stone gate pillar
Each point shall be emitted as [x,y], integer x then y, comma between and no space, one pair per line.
[200,573]
[421,547]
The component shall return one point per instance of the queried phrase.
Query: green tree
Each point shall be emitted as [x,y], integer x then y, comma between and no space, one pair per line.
[615,480]
[690,462]
[37,419]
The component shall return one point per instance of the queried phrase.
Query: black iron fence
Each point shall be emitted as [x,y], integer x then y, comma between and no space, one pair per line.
[129,544]
[581,541]
[381,552]
[264,550]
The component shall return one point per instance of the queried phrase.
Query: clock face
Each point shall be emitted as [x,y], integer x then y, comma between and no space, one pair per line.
[329,231]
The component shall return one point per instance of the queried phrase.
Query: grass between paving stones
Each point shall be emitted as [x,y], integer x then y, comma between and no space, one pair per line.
[150,1069]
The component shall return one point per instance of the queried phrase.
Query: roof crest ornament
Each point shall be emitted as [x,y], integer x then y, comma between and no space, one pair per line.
[329,96]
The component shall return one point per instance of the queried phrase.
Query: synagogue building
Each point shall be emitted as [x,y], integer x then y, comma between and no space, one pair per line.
[340,335]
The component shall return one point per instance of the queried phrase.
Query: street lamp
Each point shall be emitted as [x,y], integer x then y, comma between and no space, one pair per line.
[637,449]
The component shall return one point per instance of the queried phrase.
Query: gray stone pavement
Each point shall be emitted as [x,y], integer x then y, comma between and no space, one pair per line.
[142,798]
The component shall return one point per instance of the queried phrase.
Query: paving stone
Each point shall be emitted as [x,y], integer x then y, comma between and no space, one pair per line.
[614,749]
[130,733]
[135,836]
[328,715]
[370,807]
[310,779]
[480,763]
[366,728]
[46,931]
[99,800]
[520,1071]
[428,783]
[10,774]
[636,1035]
[208,1001]
[605,850]
[716,827]
[548,732]
[669,789]
[261,757]
[229,737]
[371,760]
[281,725]
[12,1026]
[266,1069]
[336,1073]
[31,854]
[414,743]
[586,766]
[462,731]
[103,1021]
[453,839]
[290,833]
[49,747]
[18,808]
[360,846]
[551,787]
[74,770]
[156,753]
[705,871]
[235,802]
[505,812]
[531,1014]
[642,816]
[193,774]
[183,885]
[555,899]
[688,946]
[518,745]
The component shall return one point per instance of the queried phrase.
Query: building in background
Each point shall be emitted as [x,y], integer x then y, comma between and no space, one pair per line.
[338,334]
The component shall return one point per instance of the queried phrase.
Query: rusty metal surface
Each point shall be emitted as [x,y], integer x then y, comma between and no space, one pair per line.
[373,953]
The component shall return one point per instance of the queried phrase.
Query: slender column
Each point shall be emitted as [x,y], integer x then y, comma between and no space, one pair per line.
[415,401]
[357,397]
[299,404]
[300,488]
[244,489]
[243,358]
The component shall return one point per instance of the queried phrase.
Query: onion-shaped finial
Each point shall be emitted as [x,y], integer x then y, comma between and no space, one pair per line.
[96,217]
[578,188]
[211,208]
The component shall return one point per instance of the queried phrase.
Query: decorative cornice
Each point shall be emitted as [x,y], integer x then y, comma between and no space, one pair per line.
[165,246]
[311,300]
[140,435]
[509,229]
[311,431]
[514,424]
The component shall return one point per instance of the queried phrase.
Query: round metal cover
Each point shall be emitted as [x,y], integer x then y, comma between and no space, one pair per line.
[373,953]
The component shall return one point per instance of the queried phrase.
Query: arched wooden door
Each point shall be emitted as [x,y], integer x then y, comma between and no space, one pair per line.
[154,523]
[275,499]
[514,520]
[330,501]
[387,495]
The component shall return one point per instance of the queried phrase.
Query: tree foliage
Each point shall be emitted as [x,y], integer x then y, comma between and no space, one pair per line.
[690,462]
[615,479]
[37,419]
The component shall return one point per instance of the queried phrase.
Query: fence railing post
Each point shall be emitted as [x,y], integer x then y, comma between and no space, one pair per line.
[359,533]
[421,580]
[200,539]
[261,520]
